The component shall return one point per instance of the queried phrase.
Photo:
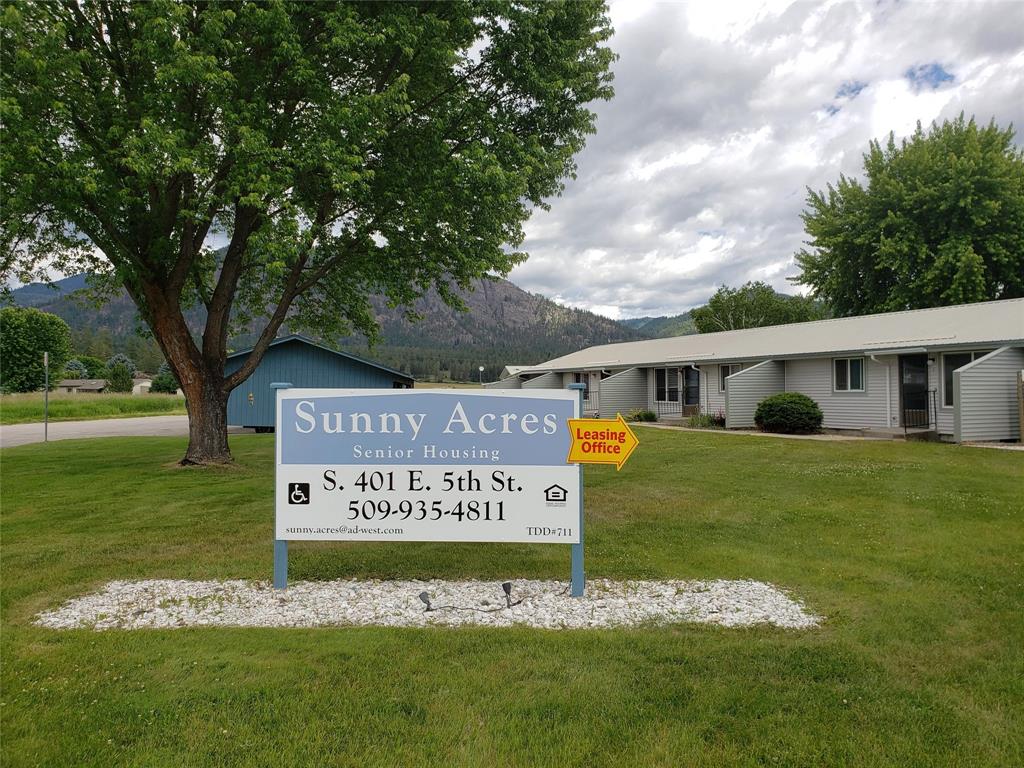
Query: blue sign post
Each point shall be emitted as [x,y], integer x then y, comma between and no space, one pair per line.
[280,545]
[578,581]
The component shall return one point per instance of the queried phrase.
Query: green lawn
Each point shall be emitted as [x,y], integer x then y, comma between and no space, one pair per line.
[28,407]
[913,552]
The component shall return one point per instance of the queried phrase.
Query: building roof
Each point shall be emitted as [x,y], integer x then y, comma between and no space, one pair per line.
[83,383]
[348,355]
[994,323]
[512,370]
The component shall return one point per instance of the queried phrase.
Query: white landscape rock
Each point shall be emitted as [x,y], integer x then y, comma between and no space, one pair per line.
[168,603]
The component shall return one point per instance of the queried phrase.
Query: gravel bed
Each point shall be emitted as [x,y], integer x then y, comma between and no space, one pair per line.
[166,604]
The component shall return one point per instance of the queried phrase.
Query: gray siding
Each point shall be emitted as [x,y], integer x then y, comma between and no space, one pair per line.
[544,381]
[842,410]
[744,390]
[715,400]
[985,405]
[943,415]
[623,392]
[511,382]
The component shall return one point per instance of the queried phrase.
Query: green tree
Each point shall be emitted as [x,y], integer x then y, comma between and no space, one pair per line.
[25,334]
[343,150]
[753,305]
[94,367]
[164,381]
[75,369]
[122,359]
[120,378]
[939,220]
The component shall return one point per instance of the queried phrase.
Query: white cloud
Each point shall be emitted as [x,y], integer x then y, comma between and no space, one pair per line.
[724,113]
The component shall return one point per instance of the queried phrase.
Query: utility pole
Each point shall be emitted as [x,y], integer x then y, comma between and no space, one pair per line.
[46,397]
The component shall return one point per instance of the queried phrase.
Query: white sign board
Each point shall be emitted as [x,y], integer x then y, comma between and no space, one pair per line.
[426,465]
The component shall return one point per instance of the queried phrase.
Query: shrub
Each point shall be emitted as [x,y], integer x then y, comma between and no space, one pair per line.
[94,367]
[75,369]
[122,359]
[25,333]
[642,414]
[120,378]
[164,381]
[788,413]
[714,420]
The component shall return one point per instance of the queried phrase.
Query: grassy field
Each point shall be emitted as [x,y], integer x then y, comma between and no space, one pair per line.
[912,552]
[28,407]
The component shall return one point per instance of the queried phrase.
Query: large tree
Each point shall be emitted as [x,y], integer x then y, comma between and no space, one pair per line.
[938,220]
[25,334]
[753,305]
[339,150]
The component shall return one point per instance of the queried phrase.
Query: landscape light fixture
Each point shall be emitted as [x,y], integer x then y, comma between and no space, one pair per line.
[425,599]
[506,587]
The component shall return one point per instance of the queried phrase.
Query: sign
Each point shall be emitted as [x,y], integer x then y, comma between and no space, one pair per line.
[426,465]
[601,441]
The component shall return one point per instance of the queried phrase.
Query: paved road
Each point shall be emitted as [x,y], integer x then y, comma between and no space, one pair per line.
[22,434]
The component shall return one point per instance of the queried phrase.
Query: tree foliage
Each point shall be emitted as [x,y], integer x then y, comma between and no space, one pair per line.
[122,359]
[75,369]
[94,367]
[25,334]
[938,220]
[120,379]
[341,150]
[753,305]
[164,381]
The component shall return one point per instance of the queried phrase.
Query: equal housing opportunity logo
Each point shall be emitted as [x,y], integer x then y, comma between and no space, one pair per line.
[555,496]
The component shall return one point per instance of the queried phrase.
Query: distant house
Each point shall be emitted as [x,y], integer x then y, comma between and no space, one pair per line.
[301,362]
[141,385]
[75,386]
[947,371]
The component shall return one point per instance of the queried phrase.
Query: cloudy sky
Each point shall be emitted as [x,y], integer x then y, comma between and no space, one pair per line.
[726,111]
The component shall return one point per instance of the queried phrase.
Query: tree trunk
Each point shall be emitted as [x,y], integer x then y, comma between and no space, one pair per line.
[207,425]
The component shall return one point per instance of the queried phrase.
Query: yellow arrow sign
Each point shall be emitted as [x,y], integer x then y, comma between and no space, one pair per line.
[601,441]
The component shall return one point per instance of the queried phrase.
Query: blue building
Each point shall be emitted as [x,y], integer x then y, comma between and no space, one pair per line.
[301,363]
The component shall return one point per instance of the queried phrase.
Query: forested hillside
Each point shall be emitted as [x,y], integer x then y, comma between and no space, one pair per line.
[662,327]
[503,325]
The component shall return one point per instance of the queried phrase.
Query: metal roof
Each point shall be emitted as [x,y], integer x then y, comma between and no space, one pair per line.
[997,323]
[349,355]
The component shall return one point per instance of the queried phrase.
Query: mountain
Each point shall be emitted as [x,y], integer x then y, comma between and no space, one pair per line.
[661,327]
[504,325]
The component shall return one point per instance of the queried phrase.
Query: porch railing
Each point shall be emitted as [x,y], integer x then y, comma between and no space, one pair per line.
[669,408]
[922,418]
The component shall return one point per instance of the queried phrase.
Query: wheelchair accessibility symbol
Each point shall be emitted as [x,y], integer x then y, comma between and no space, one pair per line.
[298,493]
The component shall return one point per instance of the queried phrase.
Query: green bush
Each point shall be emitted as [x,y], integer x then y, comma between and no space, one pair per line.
[714,420]
[25,333]
[122,359]
[75,369]
[164,381]
[94,367]
[642,414]
[120,379]
[788,413]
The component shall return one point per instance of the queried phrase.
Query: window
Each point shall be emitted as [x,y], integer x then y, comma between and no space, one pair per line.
[584,379]
[950,362]
[849,374]
[727,370]
[666,385]
[691,386]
